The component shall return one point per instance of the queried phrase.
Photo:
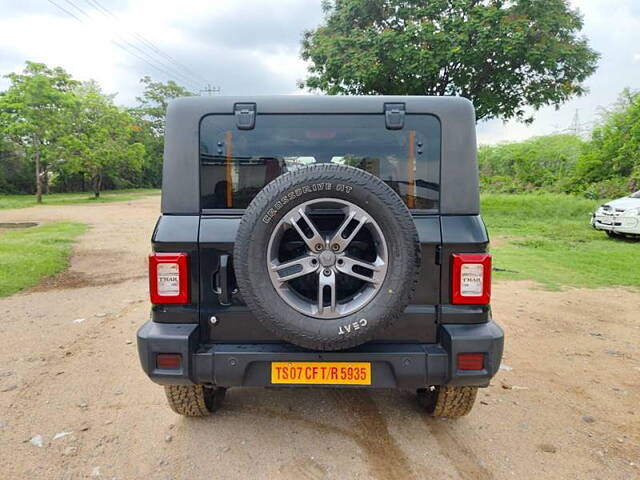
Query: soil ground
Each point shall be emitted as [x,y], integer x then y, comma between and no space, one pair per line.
[566,403]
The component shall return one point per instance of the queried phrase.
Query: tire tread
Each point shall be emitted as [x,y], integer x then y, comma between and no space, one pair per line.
[190,400]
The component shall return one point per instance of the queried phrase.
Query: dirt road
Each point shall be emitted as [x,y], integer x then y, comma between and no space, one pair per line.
[565,405]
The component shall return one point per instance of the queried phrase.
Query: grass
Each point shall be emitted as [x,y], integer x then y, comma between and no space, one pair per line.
[548,238]
[24,201]
[28,255]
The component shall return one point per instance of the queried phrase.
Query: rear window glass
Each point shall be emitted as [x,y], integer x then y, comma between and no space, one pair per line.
[237,164]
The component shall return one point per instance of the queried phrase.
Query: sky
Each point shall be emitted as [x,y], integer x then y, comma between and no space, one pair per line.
[253,47]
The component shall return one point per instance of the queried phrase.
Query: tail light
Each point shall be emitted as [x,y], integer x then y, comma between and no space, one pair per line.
[471,279]
[168,278]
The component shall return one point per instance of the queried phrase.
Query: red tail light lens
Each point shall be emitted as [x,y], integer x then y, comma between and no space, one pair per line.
[168,278]
[471,279]
[470,361]
[168,361]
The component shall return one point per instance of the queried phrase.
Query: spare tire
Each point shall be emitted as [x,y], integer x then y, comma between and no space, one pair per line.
[327,256]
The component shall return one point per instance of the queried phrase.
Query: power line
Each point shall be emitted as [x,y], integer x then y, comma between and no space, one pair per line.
[165,67]
[177,74]
[64,10]
[146,41]
[160,68]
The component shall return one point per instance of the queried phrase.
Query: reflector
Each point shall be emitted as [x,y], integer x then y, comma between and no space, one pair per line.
[470,361]
[168,361]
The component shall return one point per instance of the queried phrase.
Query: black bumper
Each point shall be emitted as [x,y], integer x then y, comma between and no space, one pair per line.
[393,365]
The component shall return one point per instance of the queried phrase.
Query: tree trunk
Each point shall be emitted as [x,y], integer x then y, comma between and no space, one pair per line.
[38,178]
[45,180]
[97,185]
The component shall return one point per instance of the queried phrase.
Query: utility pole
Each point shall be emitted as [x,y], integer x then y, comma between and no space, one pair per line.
[210,90]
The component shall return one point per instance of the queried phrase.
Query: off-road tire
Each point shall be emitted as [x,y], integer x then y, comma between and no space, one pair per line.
[345,183]
[446,401]
[194,400]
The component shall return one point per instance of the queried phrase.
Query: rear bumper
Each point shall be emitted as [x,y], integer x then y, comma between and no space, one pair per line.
[393,365]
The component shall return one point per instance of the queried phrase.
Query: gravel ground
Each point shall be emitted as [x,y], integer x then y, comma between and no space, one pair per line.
[74,402]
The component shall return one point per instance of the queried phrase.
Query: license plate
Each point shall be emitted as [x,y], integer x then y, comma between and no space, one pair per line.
[321,373]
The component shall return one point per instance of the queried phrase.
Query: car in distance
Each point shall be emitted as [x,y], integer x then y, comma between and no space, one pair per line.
[620,217]
[320,241]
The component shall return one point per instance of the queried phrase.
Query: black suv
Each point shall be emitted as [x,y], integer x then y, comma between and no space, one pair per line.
[328,241]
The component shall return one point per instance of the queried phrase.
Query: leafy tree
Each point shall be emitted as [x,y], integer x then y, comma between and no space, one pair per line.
[15,171]
[101,143]
[504,55]
[614,151]
[34,115]
[150,117]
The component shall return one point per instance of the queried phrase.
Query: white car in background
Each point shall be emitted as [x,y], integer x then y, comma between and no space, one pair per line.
[619,217]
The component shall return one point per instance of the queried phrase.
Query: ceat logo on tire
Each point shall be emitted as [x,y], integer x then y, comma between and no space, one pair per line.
[351,327]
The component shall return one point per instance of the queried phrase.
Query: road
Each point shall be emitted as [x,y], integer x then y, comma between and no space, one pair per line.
[566,403]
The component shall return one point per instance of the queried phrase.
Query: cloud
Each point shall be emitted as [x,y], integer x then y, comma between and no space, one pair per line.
[249,47]
[613,29]
[258,24]
[252,47]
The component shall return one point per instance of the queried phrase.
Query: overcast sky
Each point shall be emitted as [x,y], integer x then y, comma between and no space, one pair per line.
[252,47]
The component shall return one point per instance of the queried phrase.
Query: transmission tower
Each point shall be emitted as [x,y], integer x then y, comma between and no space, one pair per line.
[210,90]
[576,128]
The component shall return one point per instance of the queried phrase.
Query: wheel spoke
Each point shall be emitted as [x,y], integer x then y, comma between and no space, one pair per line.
[327,249]
[339,239]
[369,272]
[315,238]
[327,287]
[295,268]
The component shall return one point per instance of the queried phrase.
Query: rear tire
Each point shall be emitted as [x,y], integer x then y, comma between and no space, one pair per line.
[446,401]
[277,207]
[194,400]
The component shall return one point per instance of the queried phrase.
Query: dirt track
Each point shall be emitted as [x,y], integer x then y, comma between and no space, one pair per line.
[567,404]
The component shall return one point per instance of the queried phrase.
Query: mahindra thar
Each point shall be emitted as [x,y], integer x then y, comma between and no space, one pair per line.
[320,240]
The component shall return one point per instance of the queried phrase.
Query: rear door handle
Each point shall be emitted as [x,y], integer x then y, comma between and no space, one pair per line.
[222,280]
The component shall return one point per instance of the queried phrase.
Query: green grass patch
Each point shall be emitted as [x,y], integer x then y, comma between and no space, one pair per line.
[548,238]
[28,255]
[24,201]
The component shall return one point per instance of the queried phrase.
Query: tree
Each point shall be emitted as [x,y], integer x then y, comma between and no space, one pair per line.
[101,143]
[545,162]
[614,151]
[504,55]
[150,115]
[34,114]
[15,171]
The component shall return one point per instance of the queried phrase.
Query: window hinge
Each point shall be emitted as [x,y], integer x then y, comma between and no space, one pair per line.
[245,115]
[394,115]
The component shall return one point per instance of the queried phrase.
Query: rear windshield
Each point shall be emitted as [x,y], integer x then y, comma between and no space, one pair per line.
[237,164]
